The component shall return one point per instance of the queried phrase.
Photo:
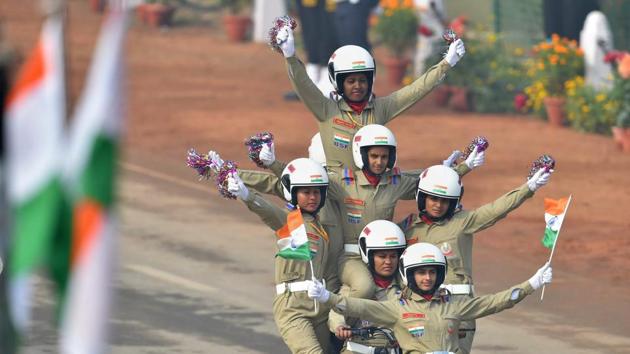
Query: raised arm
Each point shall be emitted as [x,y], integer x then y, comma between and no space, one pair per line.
[272,215]
[404,98]
[487,215]
[470,309]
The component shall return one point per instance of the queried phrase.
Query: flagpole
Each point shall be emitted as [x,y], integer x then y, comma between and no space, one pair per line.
[555,241]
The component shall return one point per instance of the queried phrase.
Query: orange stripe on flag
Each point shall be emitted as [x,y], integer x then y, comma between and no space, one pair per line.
[294,221]
[88,219]
[555,207]
[31,73]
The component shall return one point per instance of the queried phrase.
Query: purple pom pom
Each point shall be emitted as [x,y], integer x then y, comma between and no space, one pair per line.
[480,142]
[278,23]
[255,143]
[545,161]
[208,169]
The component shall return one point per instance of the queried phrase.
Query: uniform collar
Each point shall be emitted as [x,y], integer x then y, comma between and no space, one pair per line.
[418,220]
[343,105]
[363,181]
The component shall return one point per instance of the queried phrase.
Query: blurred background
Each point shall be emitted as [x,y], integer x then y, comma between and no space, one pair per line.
[183,270]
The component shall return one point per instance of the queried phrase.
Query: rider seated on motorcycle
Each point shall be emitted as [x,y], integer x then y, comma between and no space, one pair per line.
[381,243]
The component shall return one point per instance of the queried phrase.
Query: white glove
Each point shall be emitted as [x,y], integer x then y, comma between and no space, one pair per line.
[456,51]
[451,159]
[215,158]
[475,159]
[285,40]
[237,187]
[317,291]
[543,276]
[267,154]
[539,179]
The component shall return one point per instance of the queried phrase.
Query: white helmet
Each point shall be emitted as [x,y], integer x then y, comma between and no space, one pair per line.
[440,181]
[316,150]
[419,255]
[303,172]
[351,59]
[380,235]
[373,135]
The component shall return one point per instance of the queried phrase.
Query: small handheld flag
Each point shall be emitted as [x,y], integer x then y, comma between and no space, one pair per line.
[292,239]
[555,210]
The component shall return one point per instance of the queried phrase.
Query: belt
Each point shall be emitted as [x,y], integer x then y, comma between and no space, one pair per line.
[459,289]
[292,287]
[351,248]
[362,349]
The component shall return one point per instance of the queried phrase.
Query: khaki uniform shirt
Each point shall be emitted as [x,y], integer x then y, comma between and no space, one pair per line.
[422,325]
[380,294]
[454,236]
[338,122]
[360,202]
[328,216]
[289,270]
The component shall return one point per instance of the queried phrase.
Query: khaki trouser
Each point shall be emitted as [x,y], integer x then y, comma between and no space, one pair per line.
[356,275]
[302,330]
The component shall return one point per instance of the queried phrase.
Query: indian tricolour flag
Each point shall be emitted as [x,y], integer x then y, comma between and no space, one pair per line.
[554,216]
[90,174]
[34,128]
[292,239]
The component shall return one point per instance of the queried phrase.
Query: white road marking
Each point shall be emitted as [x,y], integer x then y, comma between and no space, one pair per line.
[159,175]
[171,278]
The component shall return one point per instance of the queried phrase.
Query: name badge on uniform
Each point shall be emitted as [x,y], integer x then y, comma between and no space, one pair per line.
[341,141]
[416,331]
[354,216]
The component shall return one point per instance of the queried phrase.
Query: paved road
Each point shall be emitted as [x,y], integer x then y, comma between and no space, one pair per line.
[195,276]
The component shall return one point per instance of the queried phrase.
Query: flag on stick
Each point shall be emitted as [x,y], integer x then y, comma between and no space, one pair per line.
[34,122]
[90,173]
[292,239]
[554,216]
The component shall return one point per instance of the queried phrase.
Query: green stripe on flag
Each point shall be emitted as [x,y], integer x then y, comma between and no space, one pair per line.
[302,253]
[549,238]
[98,179]
[35,221]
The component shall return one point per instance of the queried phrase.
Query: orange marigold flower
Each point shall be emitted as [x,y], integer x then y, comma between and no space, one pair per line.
[553,59]
[555,38]
[624,67]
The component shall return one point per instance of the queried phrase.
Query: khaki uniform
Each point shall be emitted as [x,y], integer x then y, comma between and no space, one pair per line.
[380,294]
[422,325]
[338,122]
[454,238]
[269,183]
[303,329]
[361,203]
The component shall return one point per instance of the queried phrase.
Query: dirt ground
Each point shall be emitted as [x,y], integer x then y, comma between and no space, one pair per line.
[189,87]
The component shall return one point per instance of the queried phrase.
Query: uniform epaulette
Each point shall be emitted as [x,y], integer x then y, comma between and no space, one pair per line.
[395,175]
[406,223]
[348,176]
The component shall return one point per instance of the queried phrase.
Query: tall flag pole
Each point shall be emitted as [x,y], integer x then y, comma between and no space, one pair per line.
[555,211]
[90,175]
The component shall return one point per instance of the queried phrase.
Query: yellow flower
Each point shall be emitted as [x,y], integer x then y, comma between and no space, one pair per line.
[541,65]
[519,51]
[585,109]
[493,65]
[492,38]
[600,98]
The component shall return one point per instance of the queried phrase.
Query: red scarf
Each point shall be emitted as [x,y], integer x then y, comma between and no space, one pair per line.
[427,297]
[372,178]
[426,219]
[382,283]
[357,107]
